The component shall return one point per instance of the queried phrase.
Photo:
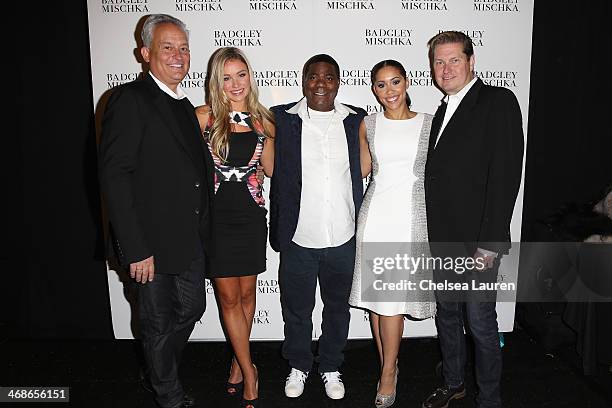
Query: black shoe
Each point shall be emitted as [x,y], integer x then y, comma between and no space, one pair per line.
[188,400]
[146,385]
[442,396]
[234,389]
[254,403]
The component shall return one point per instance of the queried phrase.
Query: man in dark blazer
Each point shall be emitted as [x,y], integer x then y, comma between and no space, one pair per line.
[472,178]
[315,195]
[157,181]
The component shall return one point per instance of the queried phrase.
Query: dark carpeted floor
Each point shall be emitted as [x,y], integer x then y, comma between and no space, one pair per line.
[105,374]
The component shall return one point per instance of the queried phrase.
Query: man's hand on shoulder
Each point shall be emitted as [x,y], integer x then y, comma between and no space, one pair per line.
[143,271]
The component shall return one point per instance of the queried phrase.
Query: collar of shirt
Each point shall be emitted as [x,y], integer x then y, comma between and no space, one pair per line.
[180,94]
[452,103]
[301,109]
[458,97]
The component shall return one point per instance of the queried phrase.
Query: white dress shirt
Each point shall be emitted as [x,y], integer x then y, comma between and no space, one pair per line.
[327,211]
[180,94]
[452,103]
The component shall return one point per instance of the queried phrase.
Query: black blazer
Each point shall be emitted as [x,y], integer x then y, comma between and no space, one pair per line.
[157,180]
[472,177]
[286,186]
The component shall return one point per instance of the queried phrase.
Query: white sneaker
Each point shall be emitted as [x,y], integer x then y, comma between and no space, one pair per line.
[294,386]
[334,388]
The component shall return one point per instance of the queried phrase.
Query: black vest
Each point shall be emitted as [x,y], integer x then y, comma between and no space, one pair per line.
[286,189]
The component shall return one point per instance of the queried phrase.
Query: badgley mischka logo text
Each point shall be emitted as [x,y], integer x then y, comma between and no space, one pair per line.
[198,5]
[351,5]
[238,38]
[497,5]
[424,5]
[388,36]
[125,6]
[272,5]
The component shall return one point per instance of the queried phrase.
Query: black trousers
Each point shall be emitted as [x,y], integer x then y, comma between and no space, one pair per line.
[168,308]
[299,269]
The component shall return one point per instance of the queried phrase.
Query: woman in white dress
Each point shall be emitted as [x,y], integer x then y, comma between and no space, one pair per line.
[394,148]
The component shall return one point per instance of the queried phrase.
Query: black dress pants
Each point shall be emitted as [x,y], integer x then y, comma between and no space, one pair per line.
[168,308]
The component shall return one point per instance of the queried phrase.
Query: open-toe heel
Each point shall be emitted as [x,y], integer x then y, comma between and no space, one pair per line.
[254,403]
[386,400]
[234,389]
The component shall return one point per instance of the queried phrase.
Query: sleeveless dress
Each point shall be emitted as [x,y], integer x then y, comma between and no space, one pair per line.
[393,209]
[238,215]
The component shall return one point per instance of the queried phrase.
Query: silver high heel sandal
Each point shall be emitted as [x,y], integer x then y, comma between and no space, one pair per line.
[386,400]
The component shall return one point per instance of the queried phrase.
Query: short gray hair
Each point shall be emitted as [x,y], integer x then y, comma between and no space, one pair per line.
[156,19]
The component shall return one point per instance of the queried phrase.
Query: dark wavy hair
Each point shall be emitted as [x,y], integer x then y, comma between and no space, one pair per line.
[390,63]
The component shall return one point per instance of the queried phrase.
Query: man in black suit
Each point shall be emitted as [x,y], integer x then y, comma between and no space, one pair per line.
[157,181]
[472,178]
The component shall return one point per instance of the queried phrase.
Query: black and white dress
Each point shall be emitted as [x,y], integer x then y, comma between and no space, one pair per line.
[239,216]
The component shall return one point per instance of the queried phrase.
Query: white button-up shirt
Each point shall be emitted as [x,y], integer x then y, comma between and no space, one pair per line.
[327,211]
[452,103]
[180,94]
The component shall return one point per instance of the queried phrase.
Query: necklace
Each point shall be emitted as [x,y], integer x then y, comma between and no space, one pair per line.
[241,118]
[329,122]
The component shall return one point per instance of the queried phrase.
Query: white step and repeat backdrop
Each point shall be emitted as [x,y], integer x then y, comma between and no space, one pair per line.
[278,36]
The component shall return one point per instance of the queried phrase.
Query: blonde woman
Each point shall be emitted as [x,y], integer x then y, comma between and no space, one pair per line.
[238,131]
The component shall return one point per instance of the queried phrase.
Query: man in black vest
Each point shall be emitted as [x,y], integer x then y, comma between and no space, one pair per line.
[472,178]
[316,193]
[157,182]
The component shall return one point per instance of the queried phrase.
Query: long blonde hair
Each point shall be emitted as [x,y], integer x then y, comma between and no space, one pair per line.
[221,106]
